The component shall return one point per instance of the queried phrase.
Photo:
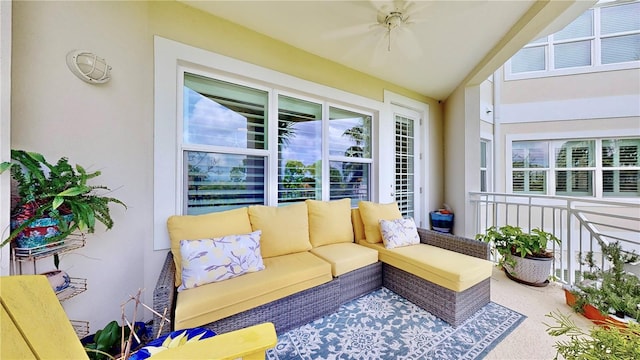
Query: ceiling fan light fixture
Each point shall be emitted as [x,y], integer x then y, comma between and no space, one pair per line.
[393,20]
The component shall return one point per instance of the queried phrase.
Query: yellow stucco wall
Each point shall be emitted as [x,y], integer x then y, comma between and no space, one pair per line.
[110,127]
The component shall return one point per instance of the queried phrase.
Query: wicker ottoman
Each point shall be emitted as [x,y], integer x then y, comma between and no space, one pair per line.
[449,305]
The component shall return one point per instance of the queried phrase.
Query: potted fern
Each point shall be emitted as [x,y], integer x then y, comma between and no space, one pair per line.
[54,200]
[524,256]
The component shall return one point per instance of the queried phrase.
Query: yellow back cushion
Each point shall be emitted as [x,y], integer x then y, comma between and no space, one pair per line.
[285,230]
[195,227]
[372,213]
[358,226]
[329,222]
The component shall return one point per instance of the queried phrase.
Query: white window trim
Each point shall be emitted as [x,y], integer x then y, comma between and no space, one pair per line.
[509,76]
[488,139]
[393,101]
[169,55]
[582,135]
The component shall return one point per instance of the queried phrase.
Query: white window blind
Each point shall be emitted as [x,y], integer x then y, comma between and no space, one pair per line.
[531,160]
[604,35]
[621,167]
[349,154]
[221,121]
[405,158]
[299,150]
[575,169]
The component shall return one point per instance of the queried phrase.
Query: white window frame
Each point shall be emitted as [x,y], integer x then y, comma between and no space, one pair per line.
[596,55]
[170,58]
[488,169]
[551,137]
[396,103]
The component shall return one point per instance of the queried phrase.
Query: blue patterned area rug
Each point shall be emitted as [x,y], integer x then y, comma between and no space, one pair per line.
[383,325]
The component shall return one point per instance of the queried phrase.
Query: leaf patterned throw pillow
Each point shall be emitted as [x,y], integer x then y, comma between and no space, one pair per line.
[210,260]
[399,232]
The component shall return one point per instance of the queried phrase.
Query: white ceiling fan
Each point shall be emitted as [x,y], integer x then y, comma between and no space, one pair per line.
[396,18]
[389,30]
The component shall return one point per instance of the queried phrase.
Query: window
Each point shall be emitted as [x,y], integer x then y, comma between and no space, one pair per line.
[483,165]
[226,153]
[574,162]
[600,37]
[299,150]
[621,167]
[531,160]
[575,167]
[215,143]
[405,165]
[349,155]
[223,126]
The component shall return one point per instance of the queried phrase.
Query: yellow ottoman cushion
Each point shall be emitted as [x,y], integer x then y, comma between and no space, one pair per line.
[446,268]
[345,257]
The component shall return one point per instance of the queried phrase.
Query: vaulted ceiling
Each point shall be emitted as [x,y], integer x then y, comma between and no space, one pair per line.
[441,45]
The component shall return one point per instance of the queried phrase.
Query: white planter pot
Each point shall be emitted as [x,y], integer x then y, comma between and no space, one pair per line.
[531,271]
[58,279]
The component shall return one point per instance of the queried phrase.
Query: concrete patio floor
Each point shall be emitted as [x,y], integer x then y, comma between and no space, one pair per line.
[530,339]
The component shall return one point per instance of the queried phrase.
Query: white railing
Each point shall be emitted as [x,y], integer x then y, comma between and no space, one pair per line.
[582,224]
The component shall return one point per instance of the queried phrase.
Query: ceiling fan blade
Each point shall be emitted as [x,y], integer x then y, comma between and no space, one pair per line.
[365,48]
[407,43]
[350,31]
[381,51]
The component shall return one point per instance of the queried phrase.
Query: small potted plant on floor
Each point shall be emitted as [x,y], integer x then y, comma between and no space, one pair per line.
[524,256]
[54,200]
[598,342]
[613,292]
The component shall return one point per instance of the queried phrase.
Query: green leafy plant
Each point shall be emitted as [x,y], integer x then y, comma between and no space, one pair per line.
[511,240]
[598,343]
[56,190]
[612,290]
[105,342]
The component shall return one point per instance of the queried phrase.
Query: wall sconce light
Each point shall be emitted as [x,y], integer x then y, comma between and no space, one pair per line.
[88,66]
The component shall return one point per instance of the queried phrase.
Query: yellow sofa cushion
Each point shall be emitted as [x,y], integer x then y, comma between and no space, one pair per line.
[330,222]
[285,230]
[194,227]
[446,268]
[358,226]
[345,257]
[372,213]
[283,275]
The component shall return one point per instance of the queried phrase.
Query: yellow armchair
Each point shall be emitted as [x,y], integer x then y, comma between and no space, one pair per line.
[33,325]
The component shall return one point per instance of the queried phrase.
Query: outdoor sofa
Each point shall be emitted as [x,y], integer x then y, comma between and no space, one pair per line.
[313,257]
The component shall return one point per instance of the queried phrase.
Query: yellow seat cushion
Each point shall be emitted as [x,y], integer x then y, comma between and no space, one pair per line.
[283,276]
[371,214]
[329,222]
[446,268]
[195,227]
[345,257]
[285,230]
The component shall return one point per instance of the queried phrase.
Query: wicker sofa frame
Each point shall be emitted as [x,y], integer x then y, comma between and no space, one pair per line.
[305,306]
